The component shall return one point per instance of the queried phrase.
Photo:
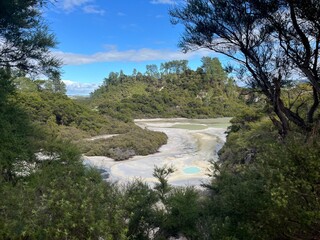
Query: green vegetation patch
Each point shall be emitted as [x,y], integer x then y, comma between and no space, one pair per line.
[136,142]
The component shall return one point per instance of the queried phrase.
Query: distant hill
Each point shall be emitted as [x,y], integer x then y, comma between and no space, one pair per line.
[174,90]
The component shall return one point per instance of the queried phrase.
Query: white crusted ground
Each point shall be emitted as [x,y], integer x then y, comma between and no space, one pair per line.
[191,143]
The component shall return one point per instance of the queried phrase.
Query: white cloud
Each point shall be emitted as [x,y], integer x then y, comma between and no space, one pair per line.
[91,9]
[77,88]
[139,55]
[70,5]
[162,2]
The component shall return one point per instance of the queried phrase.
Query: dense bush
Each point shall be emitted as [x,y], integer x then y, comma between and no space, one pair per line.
[61,199]
[266,187]
[45,107]
[135,142]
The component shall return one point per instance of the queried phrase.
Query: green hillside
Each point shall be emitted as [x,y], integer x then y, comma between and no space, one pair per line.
[59,116]
[174,90]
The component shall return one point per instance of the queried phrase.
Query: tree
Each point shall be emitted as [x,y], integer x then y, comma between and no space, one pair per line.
[214,74]
[152,71]
[24,49]
[140,205]
[56,85]
[122,76]
[175,66]
[275,42]
[163,187]
[25,38]
[134,74]
[213,70]
[112,78]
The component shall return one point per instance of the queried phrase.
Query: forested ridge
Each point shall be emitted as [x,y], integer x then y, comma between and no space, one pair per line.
[266,184]
[170,90]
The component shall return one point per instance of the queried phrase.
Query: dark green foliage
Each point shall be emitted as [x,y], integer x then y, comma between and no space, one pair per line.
[247,129]
[68,119]
[266,188]
[184,211]
[15,140]
[45,107]
[238,206]
[164,211]
[49,199]
[293,170]
[61,200]
[174,67]
[25,38]
[140,209]
[16,131]
[6,86]
[162,187]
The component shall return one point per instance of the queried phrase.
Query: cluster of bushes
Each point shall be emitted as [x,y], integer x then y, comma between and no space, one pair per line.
[61,199]
[61,114]
[59,110]
[135,142]
[266,187]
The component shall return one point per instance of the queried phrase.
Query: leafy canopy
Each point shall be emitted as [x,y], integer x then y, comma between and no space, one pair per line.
[25,38]
[275,42]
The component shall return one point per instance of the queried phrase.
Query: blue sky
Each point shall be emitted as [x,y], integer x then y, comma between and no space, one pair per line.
[99,36]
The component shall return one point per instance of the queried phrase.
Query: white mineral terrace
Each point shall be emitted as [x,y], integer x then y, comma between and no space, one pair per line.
[192,145]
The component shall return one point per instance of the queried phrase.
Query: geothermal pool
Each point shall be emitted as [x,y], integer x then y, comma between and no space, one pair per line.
[192,145]
[191,170]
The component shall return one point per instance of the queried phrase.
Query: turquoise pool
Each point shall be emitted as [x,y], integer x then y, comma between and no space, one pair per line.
[191,170]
